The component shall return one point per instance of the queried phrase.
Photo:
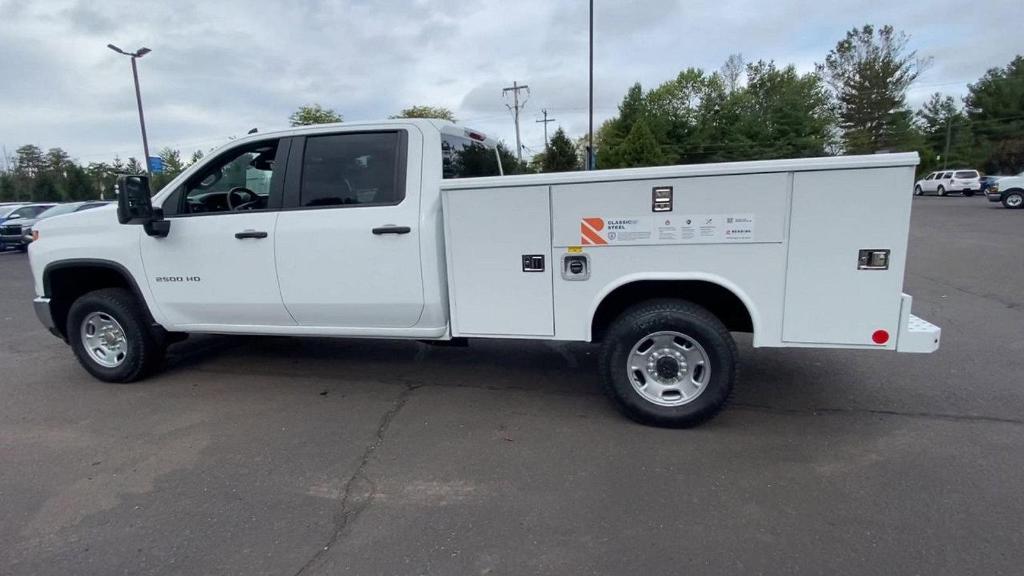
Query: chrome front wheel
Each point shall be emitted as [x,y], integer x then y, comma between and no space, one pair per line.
[104,339]
[668,368]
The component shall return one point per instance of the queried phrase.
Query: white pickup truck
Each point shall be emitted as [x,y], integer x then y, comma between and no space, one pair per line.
[407,229]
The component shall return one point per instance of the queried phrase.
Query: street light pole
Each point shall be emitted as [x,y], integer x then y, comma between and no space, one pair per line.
[590,129]
[138,96]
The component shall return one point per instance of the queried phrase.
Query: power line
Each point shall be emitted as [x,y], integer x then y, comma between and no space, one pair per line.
[515,108]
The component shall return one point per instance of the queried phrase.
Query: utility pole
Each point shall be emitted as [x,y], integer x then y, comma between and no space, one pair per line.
[515,108]
[7,166]
[945,156]
[545,121]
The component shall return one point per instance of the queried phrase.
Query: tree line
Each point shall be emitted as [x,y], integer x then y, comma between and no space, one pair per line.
[854,102]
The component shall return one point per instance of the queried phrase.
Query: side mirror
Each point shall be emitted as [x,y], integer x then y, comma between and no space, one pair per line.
[135,206]
[133,200]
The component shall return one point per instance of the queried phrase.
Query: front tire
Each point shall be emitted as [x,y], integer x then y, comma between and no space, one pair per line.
[918,191]
[110,335]
[669,363]
[1013,200]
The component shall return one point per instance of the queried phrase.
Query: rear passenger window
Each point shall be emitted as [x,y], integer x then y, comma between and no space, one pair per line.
[351,169]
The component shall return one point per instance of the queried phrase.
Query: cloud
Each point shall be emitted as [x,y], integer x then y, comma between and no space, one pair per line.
[220,68]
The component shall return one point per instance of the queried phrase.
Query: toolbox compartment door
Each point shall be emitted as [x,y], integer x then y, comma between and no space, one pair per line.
[491,290]
[836,214]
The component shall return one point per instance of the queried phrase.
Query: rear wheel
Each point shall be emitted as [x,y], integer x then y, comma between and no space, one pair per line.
[968,193]
[111,337]
[669,363]
[1013,199]
[941,191]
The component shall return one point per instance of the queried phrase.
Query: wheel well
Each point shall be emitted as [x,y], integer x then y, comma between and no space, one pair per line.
[718,300]
[65,284]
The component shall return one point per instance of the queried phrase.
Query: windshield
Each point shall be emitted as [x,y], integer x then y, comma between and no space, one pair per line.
[462,157]
[5,210]
[27,211]
[58,210]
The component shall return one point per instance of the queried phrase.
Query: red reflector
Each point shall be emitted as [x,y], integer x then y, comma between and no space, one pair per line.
[880,337]
[476,136]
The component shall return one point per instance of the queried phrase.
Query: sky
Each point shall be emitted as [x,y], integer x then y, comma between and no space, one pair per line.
[219,68]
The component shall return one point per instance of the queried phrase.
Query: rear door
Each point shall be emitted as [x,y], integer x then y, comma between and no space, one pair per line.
[831,299]
[348,241]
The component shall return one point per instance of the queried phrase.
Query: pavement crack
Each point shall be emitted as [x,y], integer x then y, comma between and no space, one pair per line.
[878,412]
[351,507]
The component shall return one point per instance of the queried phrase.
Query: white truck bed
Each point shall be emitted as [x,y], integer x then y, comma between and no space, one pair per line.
[783,236]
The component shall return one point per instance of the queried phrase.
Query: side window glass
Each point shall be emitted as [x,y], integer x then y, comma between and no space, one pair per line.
[351,169]
[236,182]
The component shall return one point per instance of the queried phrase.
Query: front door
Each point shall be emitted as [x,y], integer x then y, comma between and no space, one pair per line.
[348,240]
[216,266]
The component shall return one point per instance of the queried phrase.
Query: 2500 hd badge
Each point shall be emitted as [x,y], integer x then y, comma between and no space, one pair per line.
[178,279]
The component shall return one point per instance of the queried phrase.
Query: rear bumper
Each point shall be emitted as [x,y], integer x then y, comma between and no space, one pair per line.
[916,334]
[42,308]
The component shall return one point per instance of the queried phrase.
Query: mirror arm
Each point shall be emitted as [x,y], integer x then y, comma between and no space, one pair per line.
[157,226]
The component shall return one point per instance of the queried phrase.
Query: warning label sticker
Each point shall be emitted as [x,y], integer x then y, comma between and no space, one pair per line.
[682,229]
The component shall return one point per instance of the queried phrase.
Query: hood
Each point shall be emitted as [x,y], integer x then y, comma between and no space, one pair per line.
[94,217]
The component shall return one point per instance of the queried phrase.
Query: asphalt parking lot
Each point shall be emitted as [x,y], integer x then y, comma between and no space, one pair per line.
[285,456]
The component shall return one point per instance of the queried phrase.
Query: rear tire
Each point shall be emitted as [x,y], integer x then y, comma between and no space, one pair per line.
[1013,200]
[668,363]
[109,333]
[941,191]
[968,193]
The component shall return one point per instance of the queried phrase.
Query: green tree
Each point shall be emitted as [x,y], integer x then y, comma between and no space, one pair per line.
[995,108]
[778,114]
[560,154]
[77,184]
[640,148]
[7,189]
[510,164]
[103,177]
[196,157]
[313,114]
[426,112]
[940,119]
[133,167]
[870,71]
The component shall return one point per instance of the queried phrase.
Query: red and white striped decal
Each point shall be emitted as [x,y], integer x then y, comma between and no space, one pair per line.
[590,231]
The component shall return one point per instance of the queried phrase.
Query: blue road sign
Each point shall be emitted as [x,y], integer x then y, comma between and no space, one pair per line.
[156,164]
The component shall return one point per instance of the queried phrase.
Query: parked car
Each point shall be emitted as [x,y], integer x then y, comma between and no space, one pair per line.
[1009,190]
[68,208]
[943,182]
[11,225]
[988,180]
[8,207]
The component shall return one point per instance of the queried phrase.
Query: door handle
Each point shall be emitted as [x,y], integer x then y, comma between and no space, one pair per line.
[250,234]
[391,229]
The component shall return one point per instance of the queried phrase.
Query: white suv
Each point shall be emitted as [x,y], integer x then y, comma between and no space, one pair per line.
[943,182]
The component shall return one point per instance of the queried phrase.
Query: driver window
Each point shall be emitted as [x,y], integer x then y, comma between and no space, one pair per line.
[236,182]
